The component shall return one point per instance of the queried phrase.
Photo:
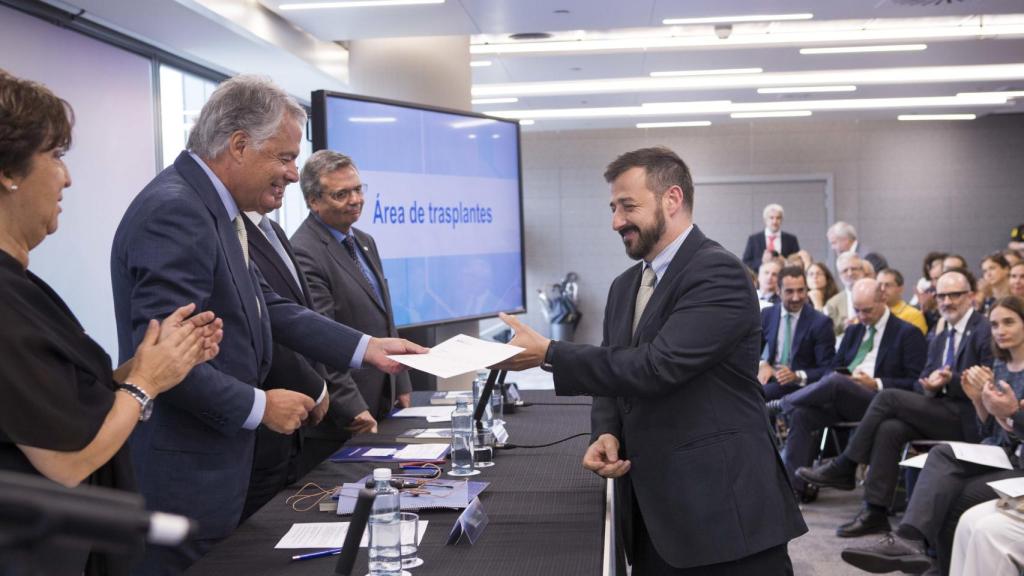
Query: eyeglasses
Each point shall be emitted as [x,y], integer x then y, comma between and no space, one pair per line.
[344,193]
[950,295]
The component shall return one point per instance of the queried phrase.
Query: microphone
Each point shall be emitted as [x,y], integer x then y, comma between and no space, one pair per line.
[34,509]
[485,395]
[356,526]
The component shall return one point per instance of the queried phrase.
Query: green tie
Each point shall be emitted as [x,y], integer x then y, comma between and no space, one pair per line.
[787,341]
[865,347]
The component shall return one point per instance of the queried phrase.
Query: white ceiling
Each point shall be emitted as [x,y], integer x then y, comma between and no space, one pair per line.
[491,21]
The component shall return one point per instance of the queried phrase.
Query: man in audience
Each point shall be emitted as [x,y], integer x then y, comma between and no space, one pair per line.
[878,352]
[770,240]
[953,261]
[869,268]
[842,237]
[937,409]
[768,283]
[890,281]
[346,283]
[877,262]
[800,344]
[839,308]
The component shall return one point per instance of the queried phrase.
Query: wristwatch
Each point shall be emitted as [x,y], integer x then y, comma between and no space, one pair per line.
[546,364]
[144,400]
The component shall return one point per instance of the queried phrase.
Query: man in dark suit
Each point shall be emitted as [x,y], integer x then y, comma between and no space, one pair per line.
[879,352]
[798,343]
[770,240]
[936,409]
[768,282]
[678,417]
[347,284]
[183,240]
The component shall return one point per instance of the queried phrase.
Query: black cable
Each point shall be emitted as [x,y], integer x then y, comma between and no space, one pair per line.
[514,446]
[527,404]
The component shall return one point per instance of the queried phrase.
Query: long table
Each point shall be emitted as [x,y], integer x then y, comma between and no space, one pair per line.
[547,514]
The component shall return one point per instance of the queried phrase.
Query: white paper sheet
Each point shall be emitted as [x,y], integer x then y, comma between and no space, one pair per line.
[422,452]
[983,454]
[428,412]
[915,461]
[1009,488]
[379,452]
[330,535]
[458,355]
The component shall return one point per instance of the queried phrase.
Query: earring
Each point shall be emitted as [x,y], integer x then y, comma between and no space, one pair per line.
[14,187]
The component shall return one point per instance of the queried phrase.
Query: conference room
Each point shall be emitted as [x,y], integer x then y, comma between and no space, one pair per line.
[704,283]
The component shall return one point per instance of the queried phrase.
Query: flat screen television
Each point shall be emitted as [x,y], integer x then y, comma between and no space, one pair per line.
[443,202]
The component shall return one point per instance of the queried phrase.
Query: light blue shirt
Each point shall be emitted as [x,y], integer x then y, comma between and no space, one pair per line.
[259,401]
[664,258]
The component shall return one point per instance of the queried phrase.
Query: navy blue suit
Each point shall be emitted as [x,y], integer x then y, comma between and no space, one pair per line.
[813,346]
[837,398]
[896,417]
[756,244]
[176,245]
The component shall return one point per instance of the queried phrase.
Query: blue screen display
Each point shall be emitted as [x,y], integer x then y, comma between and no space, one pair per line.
[442,203]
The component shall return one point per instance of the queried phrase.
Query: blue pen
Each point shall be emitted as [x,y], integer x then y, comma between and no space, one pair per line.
[320,554]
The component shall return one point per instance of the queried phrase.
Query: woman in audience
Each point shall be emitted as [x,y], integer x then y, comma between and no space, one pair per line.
[822,285]
[64,414]
[947,486]
[997,279]
[1017,279]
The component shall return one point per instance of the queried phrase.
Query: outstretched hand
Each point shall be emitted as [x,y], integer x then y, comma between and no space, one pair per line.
[536,346]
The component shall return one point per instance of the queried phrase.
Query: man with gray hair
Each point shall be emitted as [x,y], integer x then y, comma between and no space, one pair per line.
[840,307]
[771,241]
[183,239]
[346,283]
[842,237]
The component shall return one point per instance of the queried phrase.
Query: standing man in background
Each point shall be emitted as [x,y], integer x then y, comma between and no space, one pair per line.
[347,283]
[771,239]
[678,417]
[183,239]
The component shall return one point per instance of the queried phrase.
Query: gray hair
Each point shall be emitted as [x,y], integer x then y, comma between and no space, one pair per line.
[772,208]
[320,163]
[252,104]
[843,229]
[847,258]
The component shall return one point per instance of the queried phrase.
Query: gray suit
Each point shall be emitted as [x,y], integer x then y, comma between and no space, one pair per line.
[340,291]
[836,310]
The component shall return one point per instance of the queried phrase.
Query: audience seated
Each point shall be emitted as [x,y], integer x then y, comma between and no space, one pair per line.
[878,262]
[988,542]
[1017,279]
[768,283]
[890,282]
[842,238]
[798,341]
[770,240]
[840,307]
[924,291]
[879,352]
[820,284]
[936,408]
[996,271]
[947,486]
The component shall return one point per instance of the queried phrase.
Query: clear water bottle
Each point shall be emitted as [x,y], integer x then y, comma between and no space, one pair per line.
[385,528]
[462,439]
[487,420]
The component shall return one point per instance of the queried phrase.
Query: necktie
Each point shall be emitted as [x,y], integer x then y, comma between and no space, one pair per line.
[951,349]
[243,238]
[350,244]
[771,243]
[787,340]
[866,346]
[643,295]
[275,242]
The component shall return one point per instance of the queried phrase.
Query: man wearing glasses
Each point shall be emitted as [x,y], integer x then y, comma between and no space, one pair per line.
[346,283]
[937,409]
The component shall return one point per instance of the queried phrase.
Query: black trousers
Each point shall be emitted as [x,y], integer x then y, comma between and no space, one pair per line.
[275,465]
[835,398]
[945,490]
[894,418]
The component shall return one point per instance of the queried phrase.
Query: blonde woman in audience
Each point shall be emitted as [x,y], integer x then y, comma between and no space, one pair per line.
[822,285]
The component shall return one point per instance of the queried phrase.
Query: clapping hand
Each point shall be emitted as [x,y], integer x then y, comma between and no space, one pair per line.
[1000,401]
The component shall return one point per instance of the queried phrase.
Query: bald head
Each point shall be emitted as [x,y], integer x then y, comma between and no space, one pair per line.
[868,301]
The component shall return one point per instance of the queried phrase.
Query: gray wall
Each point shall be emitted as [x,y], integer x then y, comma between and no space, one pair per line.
[907,187]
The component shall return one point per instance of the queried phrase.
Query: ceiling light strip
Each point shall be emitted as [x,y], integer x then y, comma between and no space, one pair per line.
[353,4]
[675,73]
[925,117]
[480,63]
[741,18]
[865,49]
[807,89]
[685,124]
[476,101]
[781,114]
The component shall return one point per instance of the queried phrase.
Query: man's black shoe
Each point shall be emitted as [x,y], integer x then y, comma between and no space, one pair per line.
[889,554]
[866,522]
[807,495]
[828,476]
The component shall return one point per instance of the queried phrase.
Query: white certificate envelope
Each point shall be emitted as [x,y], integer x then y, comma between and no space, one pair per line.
[983,454]
[1009,488]
[458,355]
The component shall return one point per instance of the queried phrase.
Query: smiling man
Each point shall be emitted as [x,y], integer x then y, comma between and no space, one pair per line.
[678,418]
[183,239]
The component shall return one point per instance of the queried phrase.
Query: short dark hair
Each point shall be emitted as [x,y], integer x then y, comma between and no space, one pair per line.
[963,261]
[664,169]
[998,259]
[929,259]
[971,282]
[32,120]
[896,275]
[792,272]
[1016,305]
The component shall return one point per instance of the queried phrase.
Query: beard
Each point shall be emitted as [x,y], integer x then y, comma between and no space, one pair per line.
[646,237]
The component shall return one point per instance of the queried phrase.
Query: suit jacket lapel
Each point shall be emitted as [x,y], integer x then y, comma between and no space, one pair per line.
[303,286]
[774,324]
[375,266]
[344,260]
[968,330]
[267,252]
[803,326]
[888,338]
[232,248]
[675,268]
